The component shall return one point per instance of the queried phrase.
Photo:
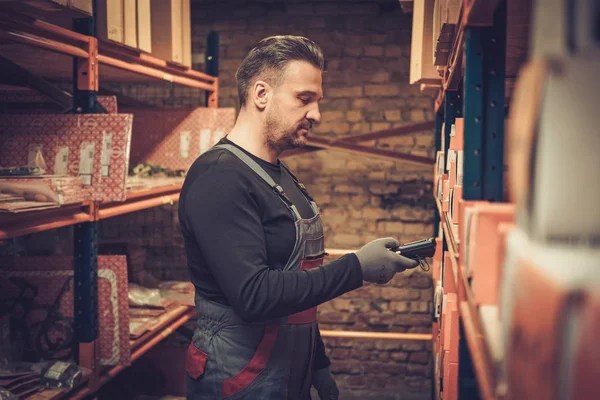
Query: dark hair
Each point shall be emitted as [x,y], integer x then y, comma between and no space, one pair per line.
[269,58]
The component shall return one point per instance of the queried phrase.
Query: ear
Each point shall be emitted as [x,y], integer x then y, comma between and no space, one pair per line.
[261,91]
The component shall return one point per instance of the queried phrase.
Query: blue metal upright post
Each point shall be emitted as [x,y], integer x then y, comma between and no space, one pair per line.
[495,65]
[452,110]
[473,111]
[86,282]
[485,59]
[85,89]
[212,61]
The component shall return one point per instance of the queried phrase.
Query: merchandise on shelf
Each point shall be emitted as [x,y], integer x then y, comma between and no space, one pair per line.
[39,291]
[175,138]
[94,147]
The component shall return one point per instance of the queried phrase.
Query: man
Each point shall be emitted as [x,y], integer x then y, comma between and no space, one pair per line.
[254,241]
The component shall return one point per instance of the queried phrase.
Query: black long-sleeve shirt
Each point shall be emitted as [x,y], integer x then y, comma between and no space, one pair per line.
[239,235]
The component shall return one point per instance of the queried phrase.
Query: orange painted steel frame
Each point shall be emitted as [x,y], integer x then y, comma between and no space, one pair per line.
[26,30]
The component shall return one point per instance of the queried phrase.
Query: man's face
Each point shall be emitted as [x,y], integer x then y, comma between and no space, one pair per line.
[294,106]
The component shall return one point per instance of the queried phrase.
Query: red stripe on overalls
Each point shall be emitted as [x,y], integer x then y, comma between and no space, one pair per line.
[310,315]
[259,361]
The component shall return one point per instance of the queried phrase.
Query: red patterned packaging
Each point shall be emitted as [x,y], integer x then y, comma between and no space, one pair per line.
[94,147]
[109,103]
[64,189]
[175,138]
[38,294]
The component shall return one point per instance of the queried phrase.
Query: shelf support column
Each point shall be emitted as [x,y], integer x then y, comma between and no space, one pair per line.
[212,67]
[86,282]
[85,71]
[485,57]
[495,63]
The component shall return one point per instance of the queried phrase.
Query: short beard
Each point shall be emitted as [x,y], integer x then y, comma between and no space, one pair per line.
[279,138]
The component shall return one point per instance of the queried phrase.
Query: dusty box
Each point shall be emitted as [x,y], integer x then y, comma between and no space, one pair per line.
[167,30]
[130,23]
[422,69]
[109,20]
[144,29]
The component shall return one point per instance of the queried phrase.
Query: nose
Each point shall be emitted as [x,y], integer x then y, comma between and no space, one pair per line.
[314,115]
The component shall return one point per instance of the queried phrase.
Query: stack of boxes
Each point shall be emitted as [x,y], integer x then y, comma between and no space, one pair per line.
[159,27]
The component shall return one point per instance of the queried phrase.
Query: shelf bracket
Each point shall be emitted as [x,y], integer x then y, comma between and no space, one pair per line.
[85,71]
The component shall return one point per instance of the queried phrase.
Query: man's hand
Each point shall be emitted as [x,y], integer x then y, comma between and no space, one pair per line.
[325,384]
[379,264]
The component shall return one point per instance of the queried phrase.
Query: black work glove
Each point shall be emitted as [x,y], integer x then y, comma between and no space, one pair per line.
[325,384]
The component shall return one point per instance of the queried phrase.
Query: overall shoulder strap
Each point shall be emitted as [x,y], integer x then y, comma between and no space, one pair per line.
[254,166]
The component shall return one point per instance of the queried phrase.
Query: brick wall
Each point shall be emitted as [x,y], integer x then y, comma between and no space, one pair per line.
[367,47]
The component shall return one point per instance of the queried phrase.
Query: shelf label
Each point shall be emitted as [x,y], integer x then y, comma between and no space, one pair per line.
[86,162]
[184,144]
[106,152]
[205,140]
[34,149]
[62,161]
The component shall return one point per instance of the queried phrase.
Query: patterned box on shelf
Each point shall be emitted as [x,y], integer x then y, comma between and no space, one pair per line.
[92,146]
[175,138]
[63,189]
[38,294]
[109,103]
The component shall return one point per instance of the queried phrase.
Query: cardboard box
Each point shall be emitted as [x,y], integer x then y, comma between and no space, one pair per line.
[449,278]
[94,147]
[144,27]
[167,32]
[186,24]
[451,333]
[422,69]
[82,5]
[130,23]
[482,248]
[175,138]
[109,20]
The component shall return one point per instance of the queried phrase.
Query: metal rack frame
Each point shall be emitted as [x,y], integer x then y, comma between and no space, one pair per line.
[88,53]
[478,95]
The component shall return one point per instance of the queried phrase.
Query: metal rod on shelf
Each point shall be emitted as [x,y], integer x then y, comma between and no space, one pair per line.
[48,44]
[59,222]
[148,71]
[370,151]
[35,25]
[137,57]
[376,335]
